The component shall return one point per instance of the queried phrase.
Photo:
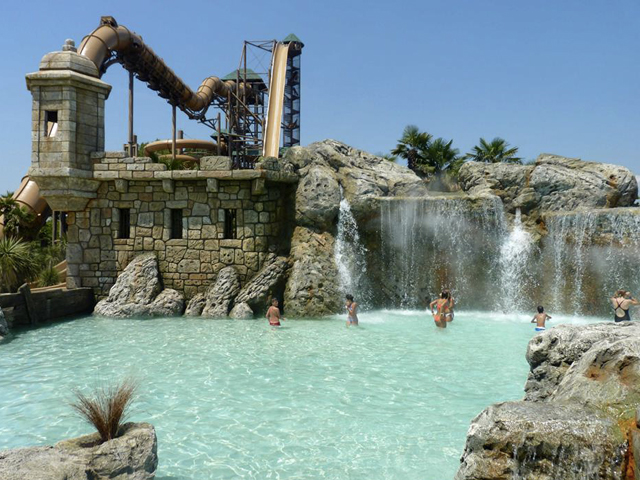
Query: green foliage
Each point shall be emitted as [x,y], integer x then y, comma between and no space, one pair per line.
[107,408]
[17,263]
[425,155]
[48,276]
[496,151]
[16,219]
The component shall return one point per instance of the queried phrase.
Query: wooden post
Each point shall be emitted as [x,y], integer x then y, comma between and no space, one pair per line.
[173,132]
[28,300]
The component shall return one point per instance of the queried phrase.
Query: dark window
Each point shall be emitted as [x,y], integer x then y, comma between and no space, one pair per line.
[176,223]
[125,223]
[230,223]
[50,123]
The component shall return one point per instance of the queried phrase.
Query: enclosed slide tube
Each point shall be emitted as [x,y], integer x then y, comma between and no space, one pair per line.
[139,58]
[28,195]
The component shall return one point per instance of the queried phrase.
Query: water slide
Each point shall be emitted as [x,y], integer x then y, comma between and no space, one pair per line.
[28,195]
[271,142]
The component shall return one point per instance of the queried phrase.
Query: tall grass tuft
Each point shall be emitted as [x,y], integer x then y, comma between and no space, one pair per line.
[107,408]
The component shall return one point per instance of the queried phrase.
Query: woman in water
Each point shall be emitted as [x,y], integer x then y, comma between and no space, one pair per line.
[449,311]
[621,302]
[352,311]
[273,314]
[440,309]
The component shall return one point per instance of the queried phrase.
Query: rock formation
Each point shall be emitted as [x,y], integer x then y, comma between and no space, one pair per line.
[4,327]
[220,295]
[196,305]
[268,282]
[578,419]
[138,292]
[241,311]
[131,456]
[553,183]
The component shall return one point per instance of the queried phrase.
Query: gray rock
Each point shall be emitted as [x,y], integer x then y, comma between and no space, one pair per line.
[221,293]
[543,441]
[241,311]
[196,305]
[551,353]
[268,282]
[554,183]
[4,327]
[312,287]
[215,163]
[318,198]
[138,292]
[131,456]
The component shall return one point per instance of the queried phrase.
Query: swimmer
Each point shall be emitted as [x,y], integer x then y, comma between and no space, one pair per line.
[540,318]
[273,314]
[352,311]
[621,302]
[439,309]
[449,310]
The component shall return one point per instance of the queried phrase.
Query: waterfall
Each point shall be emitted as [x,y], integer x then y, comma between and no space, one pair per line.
[592,254]
[350,256]
[433,243]
[514,265]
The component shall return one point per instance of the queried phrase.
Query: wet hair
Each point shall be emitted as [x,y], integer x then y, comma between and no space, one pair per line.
[349,297]
[445,294]
[621,292]
[274,299]
[540,309]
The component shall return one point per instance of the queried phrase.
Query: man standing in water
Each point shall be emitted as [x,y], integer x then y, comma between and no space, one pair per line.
[540,318]
[273,314]
[621,302]
[352,311]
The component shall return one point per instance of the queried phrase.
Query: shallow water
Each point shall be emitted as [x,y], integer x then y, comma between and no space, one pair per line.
[391,399]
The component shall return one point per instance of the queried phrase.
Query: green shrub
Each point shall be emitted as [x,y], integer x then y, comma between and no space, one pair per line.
[48,276]
[17,263]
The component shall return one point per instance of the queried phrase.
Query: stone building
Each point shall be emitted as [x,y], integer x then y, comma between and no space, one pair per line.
[196,221]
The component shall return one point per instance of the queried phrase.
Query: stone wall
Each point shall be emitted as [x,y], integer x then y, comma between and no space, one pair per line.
[96,254]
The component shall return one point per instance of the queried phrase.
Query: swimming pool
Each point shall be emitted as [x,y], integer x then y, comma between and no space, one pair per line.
[391,399]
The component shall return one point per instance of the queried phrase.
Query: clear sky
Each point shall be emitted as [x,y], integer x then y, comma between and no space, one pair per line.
[549,76]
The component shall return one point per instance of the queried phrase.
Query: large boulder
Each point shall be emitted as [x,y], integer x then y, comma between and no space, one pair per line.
[138,292]
[364,177]
[553,183]
[318,198]
[579,417]
[131,456]
[312,287]
[220,295]
[196,305]
[541,441]
[267,283]
[241,311]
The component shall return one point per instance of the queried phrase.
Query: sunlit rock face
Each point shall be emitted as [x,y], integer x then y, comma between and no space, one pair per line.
[579,415]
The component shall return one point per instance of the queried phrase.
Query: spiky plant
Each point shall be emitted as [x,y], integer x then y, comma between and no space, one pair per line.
[48,276]
[17,263]
[495,151]
[412,146]
[107,408]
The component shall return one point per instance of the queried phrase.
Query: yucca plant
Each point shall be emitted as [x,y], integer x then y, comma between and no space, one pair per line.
[107,408]
[48,276]
[17,263]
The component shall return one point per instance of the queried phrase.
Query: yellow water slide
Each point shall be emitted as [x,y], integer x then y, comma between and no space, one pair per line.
[28,195]
[271,146]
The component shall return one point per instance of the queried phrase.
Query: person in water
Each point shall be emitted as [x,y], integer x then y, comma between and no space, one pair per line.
[540,319]
[352,311]
[273,314]
[440,309]
[621,302]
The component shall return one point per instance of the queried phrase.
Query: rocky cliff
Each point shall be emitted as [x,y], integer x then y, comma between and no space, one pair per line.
[578,419]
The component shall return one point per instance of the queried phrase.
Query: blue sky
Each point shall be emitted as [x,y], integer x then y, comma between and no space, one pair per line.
[548,76]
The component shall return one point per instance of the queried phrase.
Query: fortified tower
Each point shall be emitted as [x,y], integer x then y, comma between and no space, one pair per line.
[67,126]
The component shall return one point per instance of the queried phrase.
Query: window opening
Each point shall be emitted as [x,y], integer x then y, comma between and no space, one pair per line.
[176,223]
[230,223]
[125,223]
[50,123]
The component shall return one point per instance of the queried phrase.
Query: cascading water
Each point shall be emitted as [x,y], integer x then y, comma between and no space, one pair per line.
[514,266]
[350,255]
[591,254]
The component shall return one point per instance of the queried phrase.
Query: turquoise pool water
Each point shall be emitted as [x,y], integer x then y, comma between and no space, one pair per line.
[391,399]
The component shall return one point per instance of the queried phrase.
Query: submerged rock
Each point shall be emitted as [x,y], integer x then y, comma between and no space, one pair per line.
[578,416]
[241,311]
[131,456]
[220,295]
[138,292]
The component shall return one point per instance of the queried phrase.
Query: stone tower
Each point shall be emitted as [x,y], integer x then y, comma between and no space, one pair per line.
[67,126]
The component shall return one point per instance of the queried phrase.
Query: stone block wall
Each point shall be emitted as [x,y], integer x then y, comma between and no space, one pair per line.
[96,254]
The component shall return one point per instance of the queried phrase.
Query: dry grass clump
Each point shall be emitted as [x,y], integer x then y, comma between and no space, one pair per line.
[107,408]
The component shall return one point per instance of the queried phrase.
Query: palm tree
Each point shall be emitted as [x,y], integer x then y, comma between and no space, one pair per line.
[17,263]
[440,157]
[412,146]
[496,151]
[14,216]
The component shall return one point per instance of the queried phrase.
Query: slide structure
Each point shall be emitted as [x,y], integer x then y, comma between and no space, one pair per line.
[271,142]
